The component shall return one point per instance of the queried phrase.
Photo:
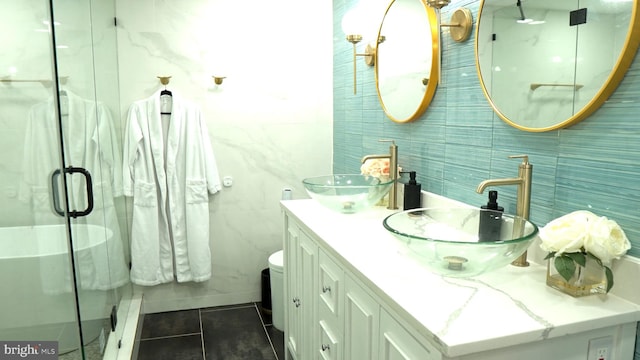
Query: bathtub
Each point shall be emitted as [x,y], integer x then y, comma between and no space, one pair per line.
[37,302]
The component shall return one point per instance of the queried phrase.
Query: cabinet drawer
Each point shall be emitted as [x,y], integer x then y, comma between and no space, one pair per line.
[331,283]
[330,347]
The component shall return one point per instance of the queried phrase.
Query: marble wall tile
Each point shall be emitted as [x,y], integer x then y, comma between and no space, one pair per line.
[268,122]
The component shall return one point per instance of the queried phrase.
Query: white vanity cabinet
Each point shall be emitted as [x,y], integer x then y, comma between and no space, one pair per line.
[352,293]
[330,315]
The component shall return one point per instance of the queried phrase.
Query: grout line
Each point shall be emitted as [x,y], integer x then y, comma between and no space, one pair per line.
[169,337]
[255,305]
[227,307]
[262,316]
[204,356]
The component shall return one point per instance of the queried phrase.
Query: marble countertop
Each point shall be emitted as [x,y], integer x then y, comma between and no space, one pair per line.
[506,307]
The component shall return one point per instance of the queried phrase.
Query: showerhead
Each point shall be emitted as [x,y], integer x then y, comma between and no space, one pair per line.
[519,5]
[522,19]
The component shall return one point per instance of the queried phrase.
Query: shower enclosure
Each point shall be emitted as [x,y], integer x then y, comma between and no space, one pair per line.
[63,227]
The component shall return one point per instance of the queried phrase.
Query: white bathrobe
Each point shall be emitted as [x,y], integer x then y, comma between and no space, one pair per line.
[169,184]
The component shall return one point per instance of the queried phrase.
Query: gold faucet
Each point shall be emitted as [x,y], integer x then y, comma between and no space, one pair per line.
[523,195]
[393,171]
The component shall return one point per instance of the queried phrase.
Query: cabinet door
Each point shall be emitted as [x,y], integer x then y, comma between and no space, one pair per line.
[396,343]
[292,290]
[301,279]
[360,323]
[307,265]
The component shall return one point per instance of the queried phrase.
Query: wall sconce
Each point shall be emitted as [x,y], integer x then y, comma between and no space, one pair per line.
[218,79]
[354,39]
[461,20]
[369,54]
[353,22]
[460,25]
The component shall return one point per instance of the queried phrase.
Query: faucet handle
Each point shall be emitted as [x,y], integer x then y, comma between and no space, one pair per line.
[393,142]
[525,158]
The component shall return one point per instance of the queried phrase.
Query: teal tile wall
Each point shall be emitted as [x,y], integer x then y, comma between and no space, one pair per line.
[459,141]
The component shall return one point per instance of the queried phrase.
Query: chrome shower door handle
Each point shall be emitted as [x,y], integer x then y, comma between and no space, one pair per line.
[56,198]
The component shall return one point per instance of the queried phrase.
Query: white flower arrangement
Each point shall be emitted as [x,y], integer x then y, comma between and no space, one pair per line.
[571,238]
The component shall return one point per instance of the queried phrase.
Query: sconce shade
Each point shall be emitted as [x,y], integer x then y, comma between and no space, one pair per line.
[352,22]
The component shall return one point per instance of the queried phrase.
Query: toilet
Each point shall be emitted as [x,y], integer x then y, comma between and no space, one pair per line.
[276,275]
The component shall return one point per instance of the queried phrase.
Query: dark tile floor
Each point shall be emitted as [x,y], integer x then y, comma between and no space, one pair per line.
[236,332]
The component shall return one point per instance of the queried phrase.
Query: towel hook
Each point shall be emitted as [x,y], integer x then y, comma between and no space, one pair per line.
[164,80]
[218,79]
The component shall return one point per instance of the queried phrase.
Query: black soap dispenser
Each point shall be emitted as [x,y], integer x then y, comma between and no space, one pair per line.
[490,219]
[412,192]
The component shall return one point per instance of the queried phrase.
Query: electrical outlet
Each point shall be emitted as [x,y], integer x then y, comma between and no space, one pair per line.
[600,348]
[602,354]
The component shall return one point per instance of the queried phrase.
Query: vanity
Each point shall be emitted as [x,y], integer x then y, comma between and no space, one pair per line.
[353,291]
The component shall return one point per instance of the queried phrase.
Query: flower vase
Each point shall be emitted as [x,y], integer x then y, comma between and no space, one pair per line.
[384,201]
[587,280]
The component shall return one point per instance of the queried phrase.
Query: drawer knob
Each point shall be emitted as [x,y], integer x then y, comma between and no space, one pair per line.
[326,289]
[325,347]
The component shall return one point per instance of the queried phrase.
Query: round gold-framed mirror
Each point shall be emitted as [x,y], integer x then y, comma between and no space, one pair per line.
[546,64]
[407,64]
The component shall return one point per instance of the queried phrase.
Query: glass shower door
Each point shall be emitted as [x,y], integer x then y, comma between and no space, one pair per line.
[85,58]
[59,177]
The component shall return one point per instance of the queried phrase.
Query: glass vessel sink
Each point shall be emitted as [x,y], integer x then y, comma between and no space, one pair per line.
[347,193]
[446,240]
